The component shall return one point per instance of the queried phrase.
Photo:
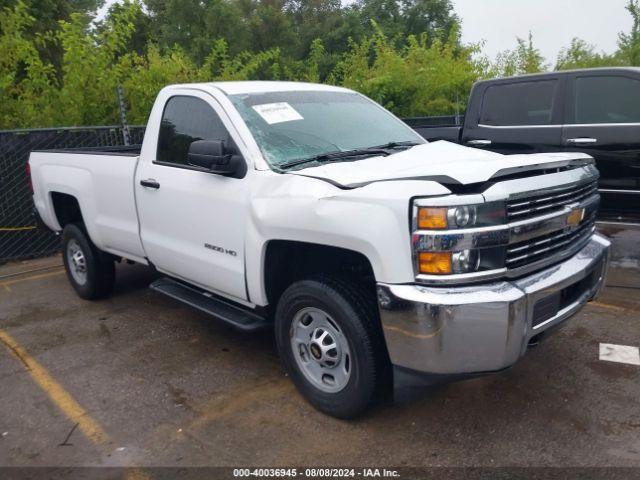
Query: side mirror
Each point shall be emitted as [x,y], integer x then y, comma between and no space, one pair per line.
[213,156]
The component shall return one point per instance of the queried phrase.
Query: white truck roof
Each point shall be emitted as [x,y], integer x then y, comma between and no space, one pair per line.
[240,87]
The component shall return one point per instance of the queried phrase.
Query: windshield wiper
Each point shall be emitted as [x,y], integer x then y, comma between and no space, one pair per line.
[392,145]
[377,150]
[326,157]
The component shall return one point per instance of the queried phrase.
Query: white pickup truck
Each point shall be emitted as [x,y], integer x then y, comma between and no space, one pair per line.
[376,256]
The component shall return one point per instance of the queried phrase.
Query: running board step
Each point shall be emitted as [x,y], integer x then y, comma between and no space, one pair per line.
[206,302]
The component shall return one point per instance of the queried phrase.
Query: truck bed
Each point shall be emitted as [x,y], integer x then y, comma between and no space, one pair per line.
[101,180]
[447,128]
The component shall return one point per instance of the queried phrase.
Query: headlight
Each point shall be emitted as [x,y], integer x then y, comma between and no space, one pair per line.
[463,216]
[465,261]
[462,239]
[442,218]
[444,263]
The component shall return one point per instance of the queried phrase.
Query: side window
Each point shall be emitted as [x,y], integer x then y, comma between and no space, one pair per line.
[185,120]
[521,103]
[607,100]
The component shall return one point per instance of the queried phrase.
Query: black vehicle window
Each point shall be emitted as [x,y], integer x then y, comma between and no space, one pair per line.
[522,103]
[185,120]
[607,100]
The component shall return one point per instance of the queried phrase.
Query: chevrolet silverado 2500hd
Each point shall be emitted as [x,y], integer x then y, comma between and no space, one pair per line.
[312,210]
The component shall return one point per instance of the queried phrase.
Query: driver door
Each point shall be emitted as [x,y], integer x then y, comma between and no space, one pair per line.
[192,222]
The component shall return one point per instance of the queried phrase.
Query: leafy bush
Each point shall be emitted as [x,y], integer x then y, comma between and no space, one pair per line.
[416,78]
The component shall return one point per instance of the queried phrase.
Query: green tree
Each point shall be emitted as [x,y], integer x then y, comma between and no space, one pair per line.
[93,65]
[417,78]
[45,16]
[399,18]
[150,74]
[320,19]
[47,13]
[386,15]
[194,25]
[435,18]
[525,58]
[580,54]
[629,43]
[142,33]
[156,70]
[27,84]
[271,26]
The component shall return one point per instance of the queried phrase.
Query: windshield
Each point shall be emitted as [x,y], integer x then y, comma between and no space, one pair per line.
[293,126]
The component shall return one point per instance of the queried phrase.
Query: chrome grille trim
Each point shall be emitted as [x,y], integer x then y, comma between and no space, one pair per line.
[538,204]
[550,258]
[523,254]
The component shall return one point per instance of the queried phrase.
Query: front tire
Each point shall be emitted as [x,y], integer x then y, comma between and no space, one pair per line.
[331,344]
[90,271]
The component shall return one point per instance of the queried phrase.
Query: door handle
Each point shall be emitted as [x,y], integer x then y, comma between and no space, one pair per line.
[582,141]
[150,183]
[479,142]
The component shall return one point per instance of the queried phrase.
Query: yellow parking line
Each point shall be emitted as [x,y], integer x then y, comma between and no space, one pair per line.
[58,395]
[28,279]
[64,401]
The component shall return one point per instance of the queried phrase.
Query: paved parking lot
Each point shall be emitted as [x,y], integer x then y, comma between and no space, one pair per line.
[141,380]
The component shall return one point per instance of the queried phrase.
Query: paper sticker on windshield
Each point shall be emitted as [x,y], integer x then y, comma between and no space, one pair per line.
[277,112]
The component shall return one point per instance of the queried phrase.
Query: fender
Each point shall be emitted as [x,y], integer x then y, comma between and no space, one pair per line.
[372,220]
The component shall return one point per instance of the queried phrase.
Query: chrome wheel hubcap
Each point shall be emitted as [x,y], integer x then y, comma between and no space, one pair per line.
[320,349]
[77,262]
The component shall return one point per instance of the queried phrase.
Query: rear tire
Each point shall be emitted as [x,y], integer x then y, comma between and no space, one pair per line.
[90,271]
[330,341]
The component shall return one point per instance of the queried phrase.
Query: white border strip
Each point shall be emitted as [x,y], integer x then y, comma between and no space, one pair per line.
[619,354]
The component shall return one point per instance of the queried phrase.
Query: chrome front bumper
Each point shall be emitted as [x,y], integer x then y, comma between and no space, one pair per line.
[486,328]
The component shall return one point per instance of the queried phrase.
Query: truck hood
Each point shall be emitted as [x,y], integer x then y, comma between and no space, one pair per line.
[441,161]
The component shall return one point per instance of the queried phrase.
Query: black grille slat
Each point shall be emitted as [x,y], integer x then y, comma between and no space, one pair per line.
[522,209]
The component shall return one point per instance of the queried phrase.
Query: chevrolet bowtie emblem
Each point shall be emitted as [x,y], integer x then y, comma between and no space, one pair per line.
[575,217]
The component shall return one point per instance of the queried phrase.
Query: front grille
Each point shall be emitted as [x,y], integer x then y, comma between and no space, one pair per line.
[538,248]
[536,205]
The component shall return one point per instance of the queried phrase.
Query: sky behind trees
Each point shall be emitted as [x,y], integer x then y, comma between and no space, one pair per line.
[553,23]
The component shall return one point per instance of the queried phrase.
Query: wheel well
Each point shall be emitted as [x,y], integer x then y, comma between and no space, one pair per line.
[66,208]
[290,261]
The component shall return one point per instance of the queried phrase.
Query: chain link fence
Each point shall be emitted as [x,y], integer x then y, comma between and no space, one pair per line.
[19,236]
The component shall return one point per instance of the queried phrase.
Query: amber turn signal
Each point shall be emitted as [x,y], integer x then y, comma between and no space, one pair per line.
[432,218]
[434,263]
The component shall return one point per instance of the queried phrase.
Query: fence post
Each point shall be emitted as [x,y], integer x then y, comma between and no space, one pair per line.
[123,116]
